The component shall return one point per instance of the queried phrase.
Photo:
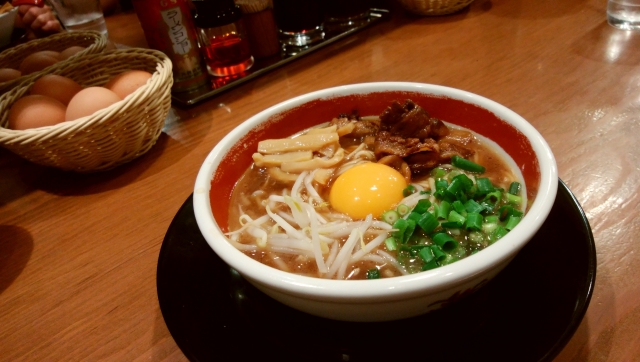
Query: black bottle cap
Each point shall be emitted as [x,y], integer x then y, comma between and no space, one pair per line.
[214,13]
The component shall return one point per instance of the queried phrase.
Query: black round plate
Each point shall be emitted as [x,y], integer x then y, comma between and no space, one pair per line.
[526,313]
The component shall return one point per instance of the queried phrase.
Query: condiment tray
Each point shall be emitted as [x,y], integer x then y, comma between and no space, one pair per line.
[261,66]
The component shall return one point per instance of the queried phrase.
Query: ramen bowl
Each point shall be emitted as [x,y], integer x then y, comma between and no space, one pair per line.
[387,298]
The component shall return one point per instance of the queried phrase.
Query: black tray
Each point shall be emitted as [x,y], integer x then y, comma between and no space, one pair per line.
[262,66]
[527,313]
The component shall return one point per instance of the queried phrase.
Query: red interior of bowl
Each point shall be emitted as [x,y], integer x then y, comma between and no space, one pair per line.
[473,117]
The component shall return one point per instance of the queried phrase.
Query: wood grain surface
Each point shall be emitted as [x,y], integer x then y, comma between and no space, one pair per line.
[78,253]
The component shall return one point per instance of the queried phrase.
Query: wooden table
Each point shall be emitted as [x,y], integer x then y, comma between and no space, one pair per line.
[78,253]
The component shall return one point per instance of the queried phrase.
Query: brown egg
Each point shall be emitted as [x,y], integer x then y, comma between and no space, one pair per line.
[35,111]
[57,87]
[70,51]
[37,61]
[89,100]
[7,74]
[51,53]
[127,82]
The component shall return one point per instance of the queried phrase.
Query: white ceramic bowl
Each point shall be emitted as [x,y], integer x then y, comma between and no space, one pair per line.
[380,299]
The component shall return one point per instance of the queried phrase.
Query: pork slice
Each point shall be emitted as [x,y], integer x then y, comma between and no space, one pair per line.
[411,120]
[385,144]
[366,127]
[388,144]
[362,128]
[392,115]
[422,162]
[458,142]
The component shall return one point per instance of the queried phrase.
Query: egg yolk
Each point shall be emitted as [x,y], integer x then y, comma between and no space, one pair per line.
[369,188]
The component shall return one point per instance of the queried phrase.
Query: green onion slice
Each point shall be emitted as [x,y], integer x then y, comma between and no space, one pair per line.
[373,274]
[409,190]
[514,188]
[401,226]
[445,241]
[422,206]
[484,185]
[390,216]
[466,165]
[512,222]
[403,209]
[474,221]
[438,253]
[391,244]
[428,222]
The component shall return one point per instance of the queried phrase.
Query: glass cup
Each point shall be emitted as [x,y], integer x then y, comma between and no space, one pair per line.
[342,15]
[78,15]
[300,23]
[624,14]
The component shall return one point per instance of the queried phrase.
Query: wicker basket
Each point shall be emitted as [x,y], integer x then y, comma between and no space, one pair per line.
[109,137]
[434,7]
[93,41]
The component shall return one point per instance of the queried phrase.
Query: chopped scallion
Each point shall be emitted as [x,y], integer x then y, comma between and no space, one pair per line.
[428,222]
[494,197]
[391,244]
[414,216]
[466,165]
[489,227]
[426,254]
[484,185]
[505,211]
[438,253]
[514,199]
[451,225]
[445,241]
[514,188]
[430,265]
[512,222]
[458,206]
[422,206]
[373,273]
[443,210]
[438,173]
[411,227]
[491,218]
[403,209]
[409,190]
[390,216]
[474,221]
[473,206]
[401,226]
[497,234]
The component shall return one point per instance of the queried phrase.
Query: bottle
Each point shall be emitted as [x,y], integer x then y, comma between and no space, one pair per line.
[222,38]
[168,27]
[262,31]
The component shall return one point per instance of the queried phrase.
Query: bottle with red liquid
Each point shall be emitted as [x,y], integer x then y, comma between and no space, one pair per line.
[222,38]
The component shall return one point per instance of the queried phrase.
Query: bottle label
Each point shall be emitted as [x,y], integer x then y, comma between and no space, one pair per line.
[177,31]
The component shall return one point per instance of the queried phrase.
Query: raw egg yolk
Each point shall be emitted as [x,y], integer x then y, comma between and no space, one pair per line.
[369,188]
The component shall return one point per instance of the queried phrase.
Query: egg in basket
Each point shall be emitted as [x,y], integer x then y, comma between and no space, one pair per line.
[116,104]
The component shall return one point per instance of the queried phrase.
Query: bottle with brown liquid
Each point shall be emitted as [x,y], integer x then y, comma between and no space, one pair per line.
[222,37]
